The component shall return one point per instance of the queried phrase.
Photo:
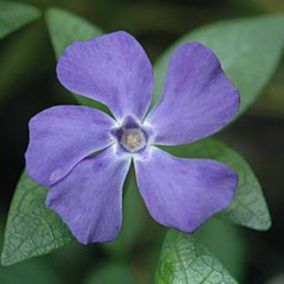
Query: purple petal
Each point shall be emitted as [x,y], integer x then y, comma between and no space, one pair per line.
[184,193]
[198,99]
[89,199]
[62,136]
[112,69]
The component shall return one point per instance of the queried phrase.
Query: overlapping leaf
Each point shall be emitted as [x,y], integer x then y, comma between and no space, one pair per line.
[249,206]
[15,15]
[228,243]
[66,28]
[31,228]
[249,51]
[184,260]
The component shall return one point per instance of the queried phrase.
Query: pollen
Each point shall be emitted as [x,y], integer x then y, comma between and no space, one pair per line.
[133,139]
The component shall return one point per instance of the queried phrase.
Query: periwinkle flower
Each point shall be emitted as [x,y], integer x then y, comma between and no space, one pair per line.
[83,155]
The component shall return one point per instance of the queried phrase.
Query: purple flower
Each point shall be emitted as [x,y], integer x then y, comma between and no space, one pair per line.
[83,155]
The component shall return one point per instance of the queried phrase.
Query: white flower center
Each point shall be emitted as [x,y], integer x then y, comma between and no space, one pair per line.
[133,139]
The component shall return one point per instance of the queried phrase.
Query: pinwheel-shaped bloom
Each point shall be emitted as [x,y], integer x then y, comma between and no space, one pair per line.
[83,155]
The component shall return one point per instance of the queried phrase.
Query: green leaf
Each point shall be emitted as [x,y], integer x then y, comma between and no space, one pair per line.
[66,28]
[112,273]
[271,102]
[134,216]
[228,244]
[31,228]
[249,50]
[29,271]
[184,260]
[15,15]
[249,207]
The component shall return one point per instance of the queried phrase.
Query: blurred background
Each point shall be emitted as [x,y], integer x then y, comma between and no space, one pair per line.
[28,85]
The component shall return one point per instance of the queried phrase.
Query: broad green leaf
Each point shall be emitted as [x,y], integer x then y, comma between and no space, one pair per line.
[27,272]
[31,228]
[66,28]
[133,220]
[248,207]
[184,260]
[227,243]
[249,50]
[15,15]
[271,102]
[112,273]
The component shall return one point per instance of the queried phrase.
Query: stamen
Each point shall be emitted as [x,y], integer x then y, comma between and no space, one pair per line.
[133,139]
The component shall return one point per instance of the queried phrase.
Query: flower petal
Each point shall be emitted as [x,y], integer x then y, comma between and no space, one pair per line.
[198,99]
[112,69]
[184,193]
[61,136]
[89,199]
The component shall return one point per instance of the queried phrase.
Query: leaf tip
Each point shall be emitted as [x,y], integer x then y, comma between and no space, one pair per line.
[266,225]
